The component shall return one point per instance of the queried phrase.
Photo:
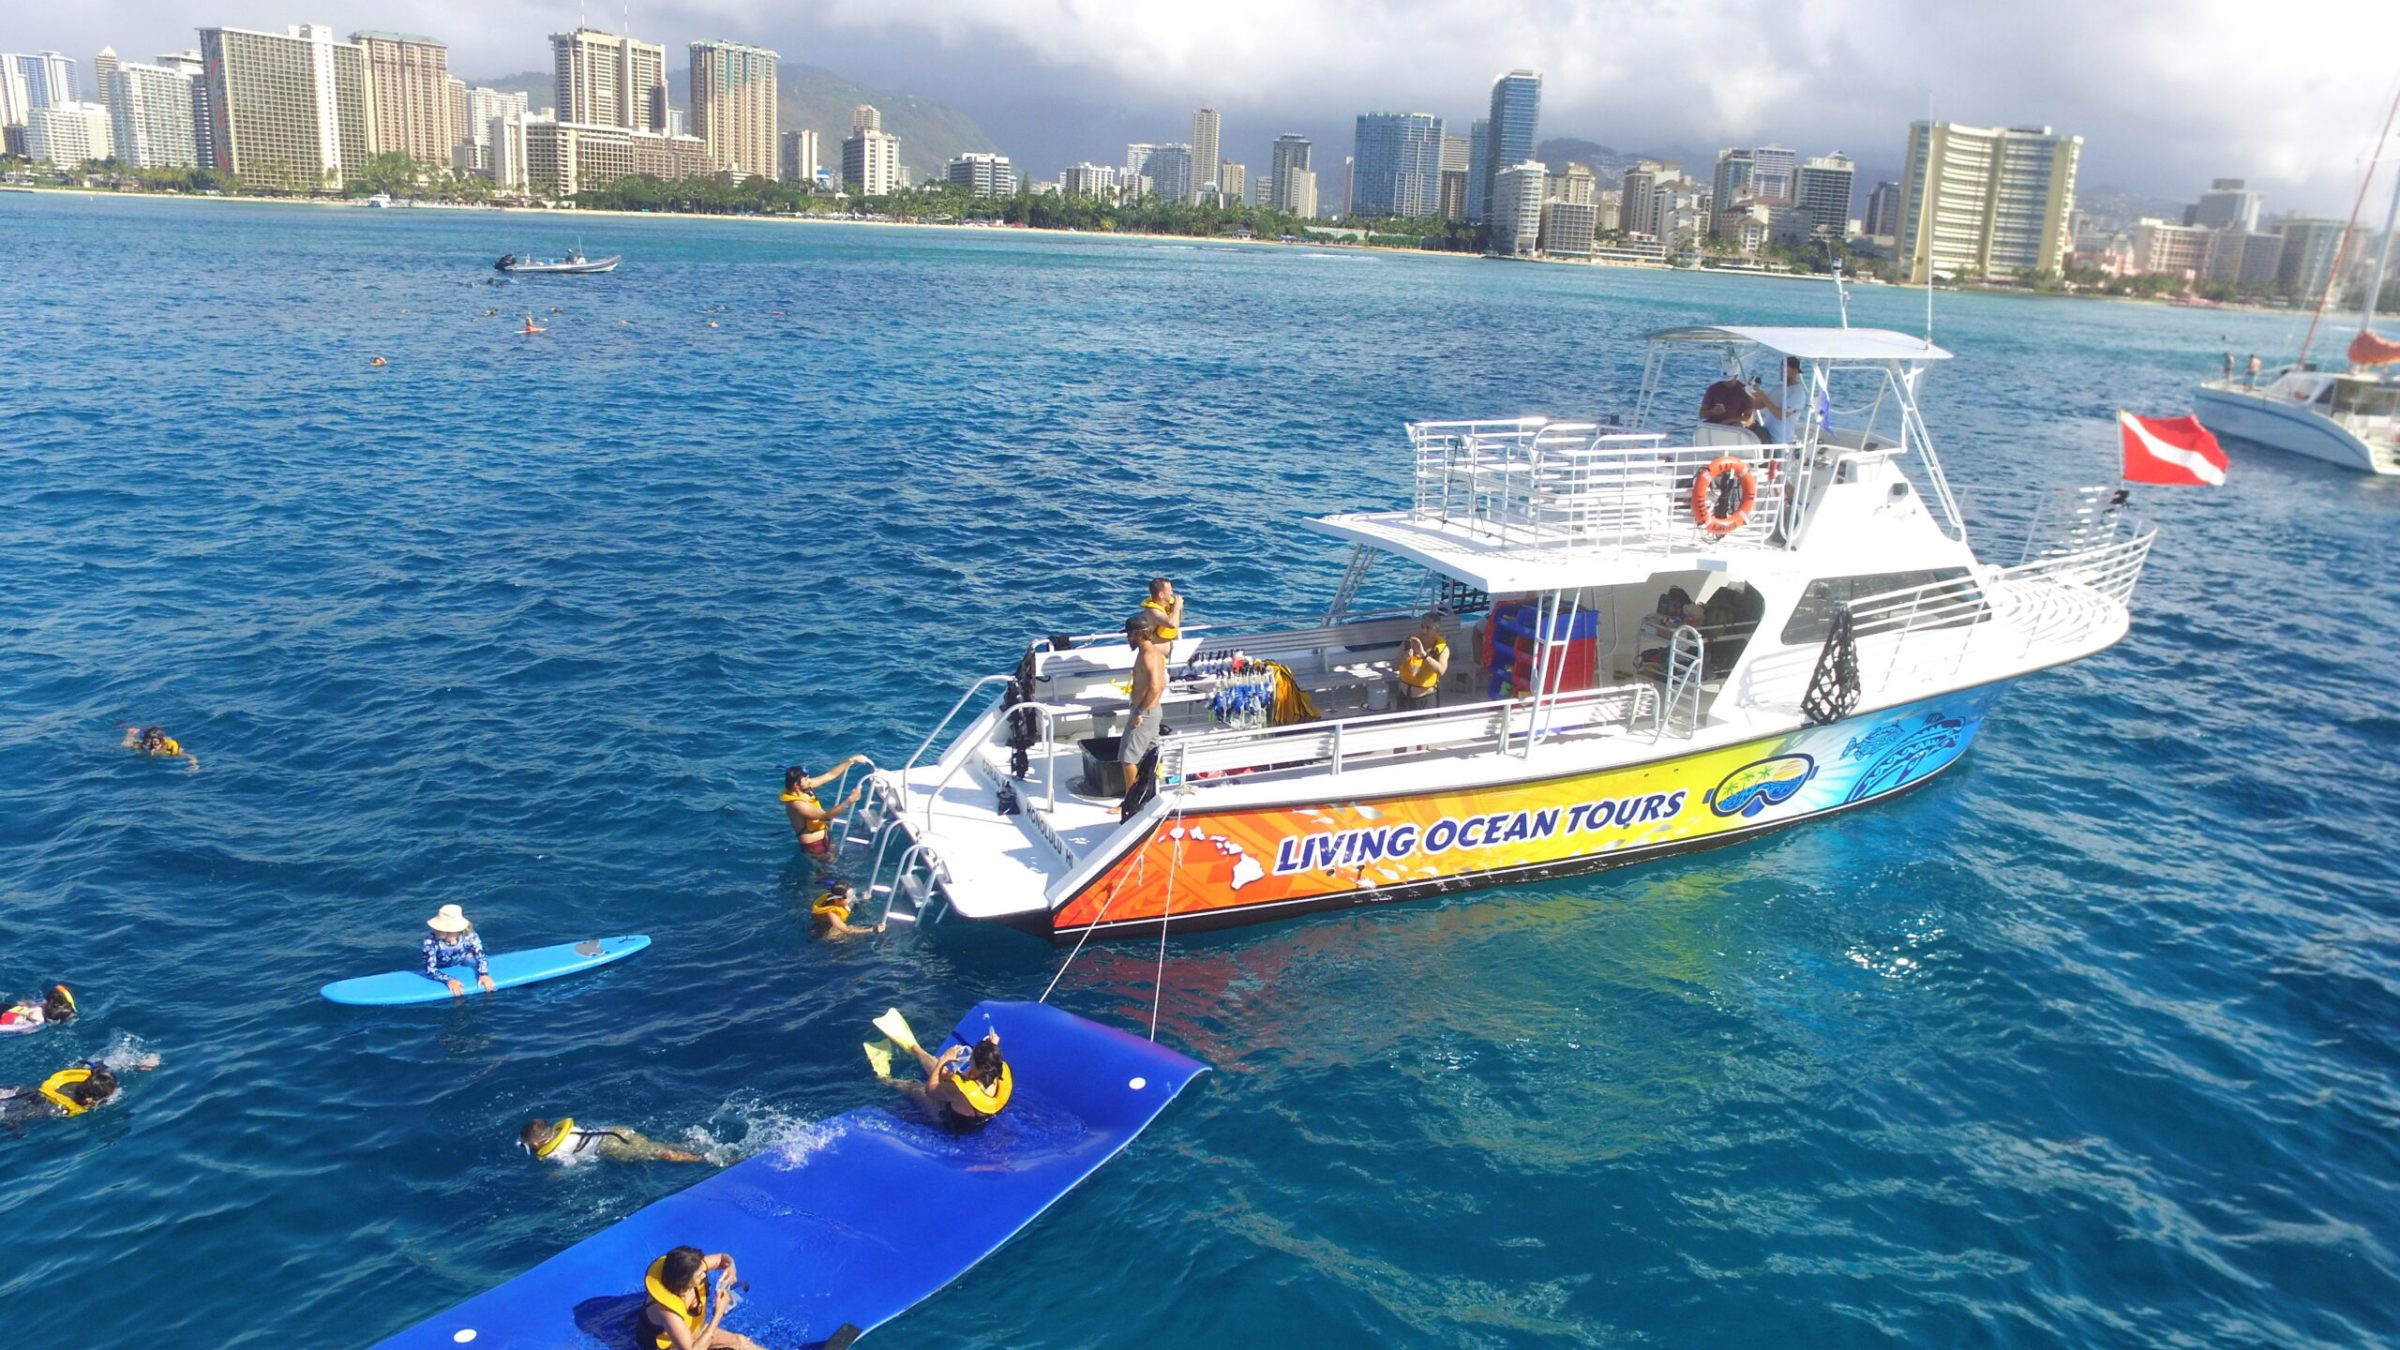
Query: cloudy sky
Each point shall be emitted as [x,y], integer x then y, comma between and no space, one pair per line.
[2166,95]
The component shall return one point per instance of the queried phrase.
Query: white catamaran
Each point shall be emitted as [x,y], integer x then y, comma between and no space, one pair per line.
[2349,416]
[1660,641]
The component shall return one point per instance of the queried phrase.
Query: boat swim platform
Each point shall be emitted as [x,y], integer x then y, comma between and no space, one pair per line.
[861,1223]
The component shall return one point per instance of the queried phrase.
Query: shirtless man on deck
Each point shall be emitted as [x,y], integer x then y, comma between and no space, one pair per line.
[1143,632]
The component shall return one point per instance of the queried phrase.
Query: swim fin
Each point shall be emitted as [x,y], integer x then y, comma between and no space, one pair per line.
[879,1054]
[892,1024]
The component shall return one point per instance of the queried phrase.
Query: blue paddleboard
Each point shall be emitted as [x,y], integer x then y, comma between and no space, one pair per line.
[509,969]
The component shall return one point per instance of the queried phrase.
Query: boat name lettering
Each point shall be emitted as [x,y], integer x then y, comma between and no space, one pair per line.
[1332,849]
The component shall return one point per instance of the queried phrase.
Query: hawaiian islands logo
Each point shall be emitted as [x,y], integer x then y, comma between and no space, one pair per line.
[1754,787]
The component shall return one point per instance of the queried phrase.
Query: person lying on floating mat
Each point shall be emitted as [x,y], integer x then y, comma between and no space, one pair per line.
[681,1312]
[812,820]
[829,914]
[566,1143]
[56,1007]
[156,742]
[964,1086]
[71,1091]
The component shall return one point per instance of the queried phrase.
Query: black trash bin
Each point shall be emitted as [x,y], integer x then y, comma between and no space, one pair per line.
[1103,776]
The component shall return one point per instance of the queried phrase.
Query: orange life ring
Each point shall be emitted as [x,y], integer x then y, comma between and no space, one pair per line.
[1705,485]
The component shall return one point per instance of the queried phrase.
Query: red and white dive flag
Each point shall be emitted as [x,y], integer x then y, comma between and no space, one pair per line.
[2177,451]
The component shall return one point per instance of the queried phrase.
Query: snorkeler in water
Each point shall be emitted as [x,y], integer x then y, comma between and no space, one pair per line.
[54,1008]
[71,1091]
[829,915]
[566,1143]
[155,741]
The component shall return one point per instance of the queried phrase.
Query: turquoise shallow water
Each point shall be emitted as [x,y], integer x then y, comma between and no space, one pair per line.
[2090,1042]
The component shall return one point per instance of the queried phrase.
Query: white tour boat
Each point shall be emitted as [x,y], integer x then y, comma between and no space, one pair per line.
[1661,641]
[2349,416]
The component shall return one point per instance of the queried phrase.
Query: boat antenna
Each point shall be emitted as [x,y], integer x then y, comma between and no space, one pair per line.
[2342,251]
[1841,293]
[1924,233]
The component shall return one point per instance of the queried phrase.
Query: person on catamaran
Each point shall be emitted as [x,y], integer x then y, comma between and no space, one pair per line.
[829,915]
[566,1143]
[964,1086]
[53,1009]
[680,1311]
[812,820]
[1147,634]
[451,941]
[1424,660]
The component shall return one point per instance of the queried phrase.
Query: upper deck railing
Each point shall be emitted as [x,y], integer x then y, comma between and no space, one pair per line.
[1536,483]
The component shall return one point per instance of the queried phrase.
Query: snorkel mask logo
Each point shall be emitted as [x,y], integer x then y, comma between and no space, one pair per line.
[1753,788]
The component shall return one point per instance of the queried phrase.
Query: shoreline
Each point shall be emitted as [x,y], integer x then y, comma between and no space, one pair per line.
[359,204]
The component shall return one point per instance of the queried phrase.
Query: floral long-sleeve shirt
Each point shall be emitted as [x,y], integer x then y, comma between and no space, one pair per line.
[440,952]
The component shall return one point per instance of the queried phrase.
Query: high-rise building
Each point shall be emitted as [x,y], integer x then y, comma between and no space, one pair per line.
[733,106]
[286,110]
[15,103]
[152,116]
[984,175]
[1638,202]
[1883,210]
[1399,165]
[2227,205]
[1578,186]
[1170,171]
[1479,165]
[2159,247]
[608,80]
[477,133]
[69,134]
[1450,195]
[1233,181]
[2306,262]
[1297,190]
[1516,209]
[408,96]
[1826,184]
[1985,201]
[799,156]
[103,66]
[1731,187]
[1510,131]
[509,136]
[1568,227]
[43,78]
[871,155]
[189,65]
[1774,175]
[1289,156]
[1204,150]
[1087,180]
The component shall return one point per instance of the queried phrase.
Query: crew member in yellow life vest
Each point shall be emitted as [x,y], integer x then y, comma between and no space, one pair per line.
[1424,660]
[680,1311]
[155,741]
[1168,606]
[829,915]
[812,820]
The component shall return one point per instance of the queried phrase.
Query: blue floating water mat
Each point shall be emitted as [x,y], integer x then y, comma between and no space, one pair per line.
[859,1224]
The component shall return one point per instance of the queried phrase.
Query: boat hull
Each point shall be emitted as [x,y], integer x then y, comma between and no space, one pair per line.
[1221,868]
[2294,430]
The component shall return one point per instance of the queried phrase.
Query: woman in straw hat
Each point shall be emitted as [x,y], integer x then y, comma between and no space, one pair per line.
[450,941]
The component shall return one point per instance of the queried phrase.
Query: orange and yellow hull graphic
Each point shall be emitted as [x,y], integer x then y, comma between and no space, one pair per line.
[1213,868]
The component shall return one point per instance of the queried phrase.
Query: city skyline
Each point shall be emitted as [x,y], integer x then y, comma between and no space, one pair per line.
[2159,109]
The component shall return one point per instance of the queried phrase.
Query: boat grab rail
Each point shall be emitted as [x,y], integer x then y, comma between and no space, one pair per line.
[1575,485]
[1333,744]
[1048,720]
[943,725]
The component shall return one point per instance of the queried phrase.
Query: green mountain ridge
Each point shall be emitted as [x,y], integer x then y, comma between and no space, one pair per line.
[815,99]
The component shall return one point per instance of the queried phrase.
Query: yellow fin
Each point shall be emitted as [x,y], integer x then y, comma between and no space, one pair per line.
[879,1054]
[892,1024]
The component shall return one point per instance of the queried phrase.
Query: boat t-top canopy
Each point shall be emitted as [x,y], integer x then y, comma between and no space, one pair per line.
[1813,344]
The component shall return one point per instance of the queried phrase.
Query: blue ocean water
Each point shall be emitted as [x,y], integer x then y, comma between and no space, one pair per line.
[2090,1042]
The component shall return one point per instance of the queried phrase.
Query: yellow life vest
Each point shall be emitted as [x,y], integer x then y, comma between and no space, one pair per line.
[1419,672]
[53,1089]
[693,1317]
[828,907]
[566,1131]
[168,745]
[818,824]
[986,1101]
[1166,632]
